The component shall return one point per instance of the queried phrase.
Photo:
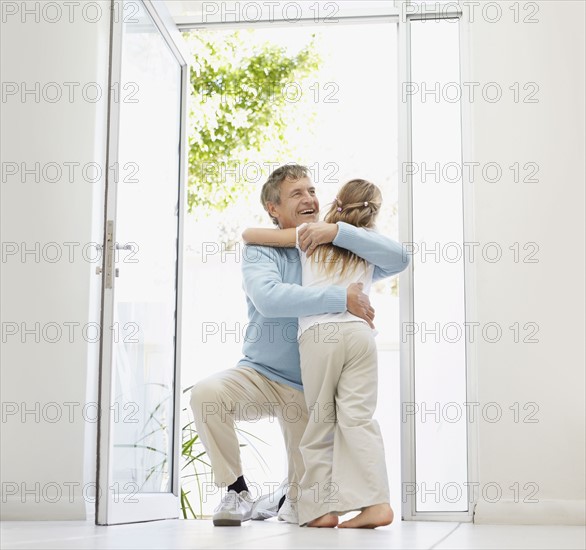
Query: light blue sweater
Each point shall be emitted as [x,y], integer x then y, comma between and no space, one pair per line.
[275,298]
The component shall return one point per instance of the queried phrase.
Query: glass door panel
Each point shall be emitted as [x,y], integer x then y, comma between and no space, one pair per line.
[139,370]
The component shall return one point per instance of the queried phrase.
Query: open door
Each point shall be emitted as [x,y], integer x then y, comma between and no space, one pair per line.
[139,434]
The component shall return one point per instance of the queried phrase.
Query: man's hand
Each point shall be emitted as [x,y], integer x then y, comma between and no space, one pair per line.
[314,234]
[358,303]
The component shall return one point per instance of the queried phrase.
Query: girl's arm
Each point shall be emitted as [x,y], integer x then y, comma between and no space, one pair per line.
[270,237]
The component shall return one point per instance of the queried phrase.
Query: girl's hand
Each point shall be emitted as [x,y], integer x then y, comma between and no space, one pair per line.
[314,234]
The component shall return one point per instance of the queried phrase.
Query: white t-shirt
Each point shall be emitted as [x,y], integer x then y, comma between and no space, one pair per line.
[312,274]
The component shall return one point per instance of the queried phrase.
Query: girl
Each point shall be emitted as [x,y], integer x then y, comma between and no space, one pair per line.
[342,446]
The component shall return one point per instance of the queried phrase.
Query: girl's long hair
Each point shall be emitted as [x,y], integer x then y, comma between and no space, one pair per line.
[358,203]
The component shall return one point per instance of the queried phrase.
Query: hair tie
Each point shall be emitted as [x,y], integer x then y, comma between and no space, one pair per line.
[365,203]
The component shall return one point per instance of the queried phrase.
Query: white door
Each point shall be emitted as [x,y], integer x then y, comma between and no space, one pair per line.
[139,436]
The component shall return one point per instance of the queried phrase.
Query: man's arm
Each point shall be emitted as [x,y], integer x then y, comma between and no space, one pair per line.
[274,298]
[389,257]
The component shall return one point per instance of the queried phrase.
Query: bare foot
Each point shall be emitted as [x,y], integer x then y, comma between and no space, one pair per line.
[327,520]
[371,517]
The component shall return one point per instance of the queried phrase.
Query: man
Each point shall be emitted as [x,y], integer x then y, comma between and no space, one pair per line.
[267,380]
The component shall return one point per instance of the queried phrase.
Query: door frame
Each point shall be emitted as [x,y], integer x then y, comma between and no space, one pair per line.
[402,12]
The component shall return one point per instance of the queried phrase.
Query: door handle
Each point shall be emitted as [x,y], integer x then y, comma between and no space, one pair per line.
[109,253]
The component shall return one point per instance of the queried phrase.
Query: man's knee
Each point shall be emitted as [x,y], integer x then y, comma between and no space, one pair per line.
[205,399]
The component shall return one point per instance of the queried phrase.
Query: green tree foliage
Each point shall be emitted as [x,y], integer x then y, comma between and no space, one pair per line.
[243,98]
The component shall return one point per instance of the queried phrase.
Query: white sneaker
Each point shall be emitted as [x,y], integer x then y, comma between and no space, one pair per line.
[288,512]
[267,506]
[233,509]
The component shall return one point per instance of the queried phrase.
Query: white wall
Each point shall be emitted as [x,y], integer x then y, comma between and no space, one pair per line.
[43,456]
[549,453]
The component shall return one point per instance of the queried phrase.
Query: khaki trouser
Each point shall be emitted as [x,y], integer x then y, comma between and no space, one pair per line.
[342,446]
[241,393]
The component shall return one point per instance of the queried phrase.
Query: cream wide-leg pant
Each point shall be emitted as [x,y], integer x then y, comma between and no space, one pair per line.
[241,393]
[342,446]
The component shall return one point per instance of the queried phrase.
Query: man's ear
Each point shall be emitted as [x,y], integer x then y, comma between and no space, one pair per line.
[271,209]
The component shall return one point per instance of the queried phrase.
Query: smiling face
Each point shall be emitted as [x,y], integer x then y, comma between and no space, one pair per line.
[298,203]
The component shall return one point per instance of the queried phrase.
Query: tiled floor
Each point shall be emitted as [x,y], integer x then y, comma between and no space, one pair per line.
[175,534]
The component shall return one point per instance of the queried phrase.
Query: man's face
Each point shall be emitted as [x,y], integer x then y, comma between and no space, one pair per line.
[298,205]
